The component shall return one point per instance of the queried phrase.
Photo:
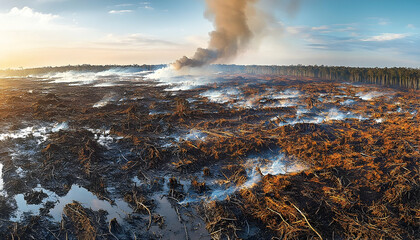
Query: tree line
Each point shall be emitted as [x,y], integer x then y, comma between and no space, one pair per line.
[77,68]
[399,77]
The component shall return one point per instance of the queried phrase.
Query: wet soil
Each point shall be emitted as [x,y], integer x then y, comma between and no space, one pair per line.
[245,157]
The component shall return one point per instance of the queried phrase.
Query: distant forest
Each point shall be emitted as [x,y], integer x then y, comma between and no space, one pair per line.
[399,77]
[77,68]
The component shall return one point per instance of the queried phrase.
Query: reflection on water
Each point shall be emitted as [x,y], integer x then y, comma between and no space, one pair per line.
[117,210]
[176,226]
[1,180]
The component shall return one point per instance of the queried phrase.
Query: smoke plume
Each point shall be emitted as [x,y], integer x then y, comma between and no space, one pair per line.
[232,32]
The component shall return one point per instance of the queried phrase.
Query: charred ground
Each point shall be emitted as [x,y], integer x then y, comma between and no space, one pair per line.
[159,157]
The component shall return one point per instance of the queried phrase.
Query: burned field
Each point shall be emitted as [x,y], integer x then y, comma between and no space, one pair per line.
[239,157]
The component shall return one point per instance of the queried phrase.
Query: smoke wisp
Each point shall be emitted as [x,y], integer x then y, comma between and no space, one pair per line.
[232,32]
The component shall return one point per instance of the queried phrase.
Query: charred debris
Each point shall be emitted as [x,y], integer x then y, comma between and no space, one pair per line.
[349,152]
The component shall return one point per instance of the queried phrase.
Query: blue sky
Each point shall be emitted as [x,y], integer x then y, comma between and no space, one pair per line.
[330,32]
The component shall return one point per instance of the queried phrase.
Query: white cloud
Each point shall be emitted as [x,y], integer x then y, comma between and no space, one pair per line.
[295,30]
[411,26]
[125,5]
[29,13]
[48,1]
[383,22]
[25,28]
[380,21]
[132,41]
[320,28]
[346,29]
[306,31]
[120,11]
[20,19]
[146,5]
[385,37]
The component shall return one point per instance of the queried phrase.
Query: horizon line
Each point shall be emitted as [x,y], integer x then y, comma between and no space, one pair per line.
[221,64]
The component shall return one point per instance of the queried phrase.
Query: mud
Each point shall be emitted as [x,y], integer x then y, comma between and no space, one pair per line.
[236,157]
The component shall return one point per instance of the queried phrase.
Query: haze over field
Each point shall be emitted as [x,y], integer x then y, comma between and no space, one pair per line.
[209,119]
[355,33]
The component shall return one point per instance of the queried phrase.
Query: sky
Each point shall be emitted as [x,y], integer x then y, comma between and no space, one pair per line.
[363,33]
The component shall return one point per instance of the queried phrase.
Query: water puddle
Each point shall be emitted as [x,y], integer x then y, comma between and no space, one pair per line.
[348,102]
[2,193]
[119,209]
[104,137]
[368,96]
[335,114]
[379,120]
[176,224]
[332,114]
[192,135]
[105,100]
[39,132]
[156,112]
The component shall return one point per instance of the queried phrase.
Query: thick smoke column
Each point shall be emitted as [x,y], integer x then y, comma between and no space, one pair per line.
[232,32]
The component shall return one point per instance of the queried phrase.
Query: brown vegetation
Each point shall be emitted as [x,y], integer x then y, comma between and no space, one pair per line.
[361,179]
